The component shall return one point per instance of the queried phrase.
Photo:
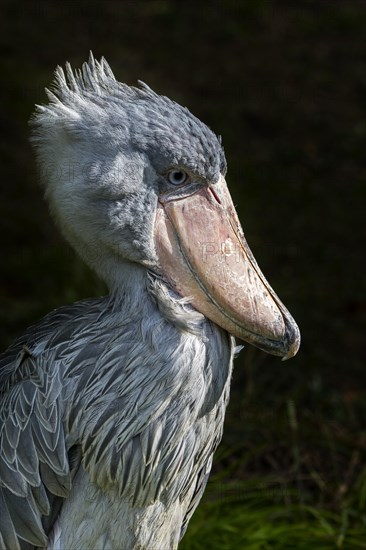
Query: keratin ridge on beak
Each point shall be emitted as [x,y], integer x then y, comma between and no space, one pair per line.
[204,255]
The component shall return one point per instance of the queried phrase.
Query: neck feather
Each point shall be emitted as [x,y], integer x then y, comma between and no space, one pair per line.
[140,289]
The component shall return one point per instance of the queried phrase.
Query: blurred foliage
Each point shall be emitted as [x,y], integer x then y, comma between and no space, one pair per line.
[284,84]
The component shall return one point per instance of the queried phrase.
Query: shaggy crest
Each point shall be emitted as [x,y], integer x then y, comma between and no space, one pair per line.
[95,80]
[91,100]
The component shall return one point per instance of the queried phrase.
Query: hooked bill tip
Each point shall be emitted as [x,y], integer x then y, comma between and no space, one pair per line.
[293,338]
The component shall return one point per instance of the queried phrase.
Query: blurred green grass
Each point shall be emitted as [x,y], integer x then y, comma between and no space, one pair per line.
[259,525]
[289,474]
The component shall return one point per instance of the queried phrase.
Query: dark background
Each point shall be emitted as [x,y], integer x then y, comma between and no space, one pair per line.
[284,83]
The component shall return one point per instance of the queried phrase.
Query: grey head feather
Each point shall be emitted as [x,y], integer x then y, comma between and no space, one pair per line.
[92,97]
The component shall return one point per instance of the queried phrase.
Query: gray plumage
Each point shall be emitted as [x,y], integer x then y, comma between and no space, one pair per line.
[111,409]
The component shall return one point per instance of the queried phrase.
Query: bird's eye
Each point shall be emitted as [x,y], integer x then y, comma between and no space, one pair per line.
[177,177]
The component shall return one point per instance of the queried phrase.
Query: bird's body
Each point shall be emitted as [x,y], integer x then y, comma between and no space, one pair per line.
[140,413]
[111,409]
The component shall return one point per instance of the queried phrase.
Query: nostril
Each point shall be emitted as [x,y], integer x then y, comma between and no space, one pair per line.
[215,195]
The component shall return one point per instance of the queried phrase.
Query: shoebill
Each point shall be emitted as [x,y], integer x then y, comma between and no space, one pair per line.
[111,408]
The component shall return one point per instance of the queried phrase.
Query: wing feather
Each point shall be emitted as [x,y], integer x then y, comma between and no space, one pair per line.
[26,518]
[33,457]
[8,536]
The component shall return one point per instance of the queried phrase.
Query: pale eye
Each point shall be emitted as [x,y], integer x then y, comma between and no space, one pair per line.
[177,177]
